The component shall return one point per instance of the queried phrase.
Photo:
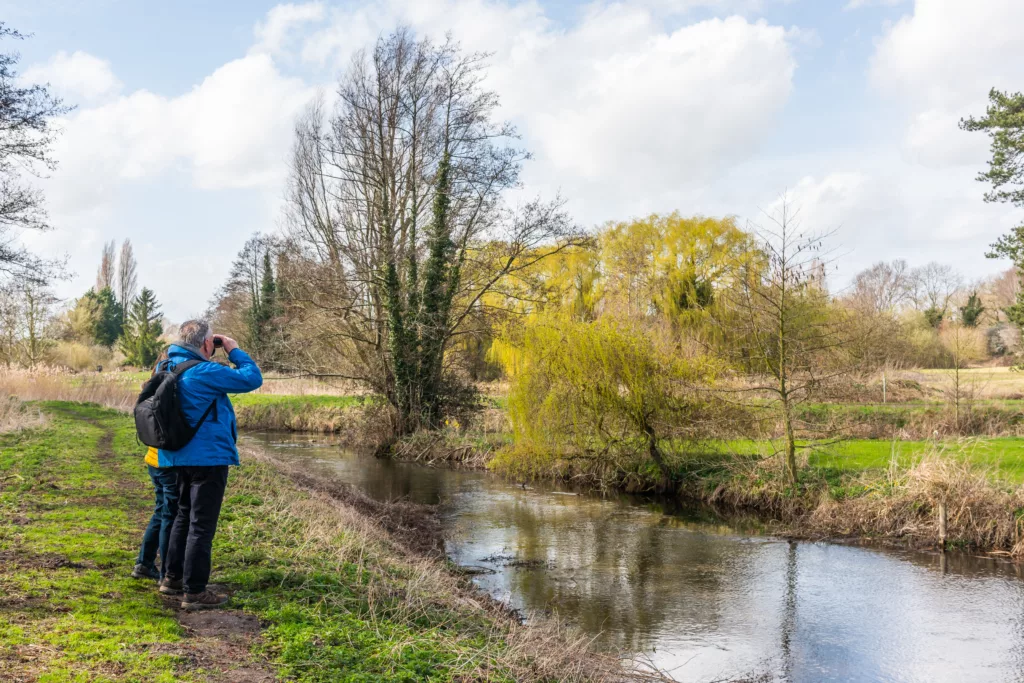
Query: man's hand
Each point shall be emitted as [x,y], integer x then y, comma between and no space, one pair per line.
[227,343]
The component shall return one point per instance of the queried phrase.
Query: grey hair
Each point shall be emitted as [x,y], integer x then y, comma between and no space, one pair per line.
[195,332]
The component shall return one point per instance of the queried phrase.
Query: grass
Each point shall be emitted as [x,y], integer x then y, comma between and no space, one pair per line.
[1000,459]
[299,403]
[338,598]
[353,416]
[68,610]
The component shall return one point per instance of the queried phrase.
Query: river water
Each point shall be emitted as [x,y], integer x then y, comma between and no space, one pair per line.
[705,600]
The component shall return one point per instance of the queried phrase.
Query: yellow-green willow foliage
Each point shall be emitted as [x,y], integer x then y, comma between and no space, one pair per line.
[603,388]
[672,267]
[564,285]
[660,270]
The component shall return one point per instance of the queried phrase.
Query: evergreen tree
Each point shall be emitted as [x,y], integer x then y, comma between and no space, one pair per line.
[1004,124]
[140,342]
[263,311]
[107,326]
[970,312]
[268,292]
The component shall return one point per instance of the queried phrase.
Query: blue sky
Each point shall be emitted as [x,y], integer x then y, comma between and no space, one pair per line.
[184,112]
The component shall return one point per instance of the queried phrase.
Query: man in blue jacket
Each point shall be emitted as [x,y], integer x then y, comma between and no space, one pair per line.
[202,465]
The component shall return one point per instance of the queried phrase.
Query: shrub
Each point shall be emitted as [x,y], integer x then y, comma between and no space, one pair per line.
[79,357]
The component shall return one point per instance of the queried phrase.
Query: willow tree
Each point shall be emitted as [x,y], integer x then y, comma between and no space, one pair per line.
[398,222]
[605,390]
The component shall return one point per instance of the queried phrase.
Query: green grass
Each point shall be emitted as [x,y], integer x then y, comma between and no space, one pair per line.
[60,505]
[298,403]
[1001,459]
[313,413]
[337,601]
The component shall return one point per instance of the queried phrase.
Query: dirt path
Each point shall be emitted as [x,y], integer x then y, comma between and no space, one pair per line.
[220,642]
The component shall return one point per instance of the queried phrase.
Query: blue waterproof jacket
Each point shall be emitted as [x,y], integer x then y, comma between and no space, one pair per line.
[214,443]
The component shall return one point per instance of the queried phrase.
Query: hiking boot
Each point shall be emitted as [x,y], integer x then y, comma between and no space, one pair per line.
[205,600]
[143,572]
[169,586]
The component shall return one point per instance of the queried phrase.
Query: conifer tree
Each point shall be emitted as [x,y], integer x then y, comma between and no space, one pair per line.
[141,340]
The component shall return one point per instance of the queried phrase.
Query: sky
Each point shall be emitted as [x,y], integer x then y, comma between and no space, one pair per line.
[184,115]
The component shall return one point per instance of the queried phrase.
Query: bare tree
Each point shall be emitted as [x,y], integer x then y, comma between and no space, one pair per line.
[965,345]
[239,307]
[108,265]
[1000,293]
[399,229]
[37,313]
[789,333]
[883,287]
[933,287]
[127,278]
[10,323]
[26,138]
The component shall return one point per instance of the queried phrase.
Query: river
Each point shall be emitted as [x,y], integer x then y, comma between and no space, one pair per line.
[705,600]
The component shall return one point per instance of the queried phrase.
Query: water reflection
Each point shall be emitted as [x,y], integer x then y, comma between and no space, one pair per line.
[709,602]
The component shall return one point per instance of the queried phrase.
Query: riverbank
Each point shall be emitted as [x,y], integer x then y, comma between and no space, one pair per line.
[325,585]
[882,490]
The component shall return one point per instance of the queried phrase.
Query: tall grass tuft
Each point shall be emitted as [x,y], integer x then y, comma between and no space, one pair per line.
[16,416]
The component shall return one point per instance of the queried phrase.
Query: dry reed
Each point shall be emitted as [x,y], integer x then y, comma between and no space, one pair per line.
[16,416]
[110,390]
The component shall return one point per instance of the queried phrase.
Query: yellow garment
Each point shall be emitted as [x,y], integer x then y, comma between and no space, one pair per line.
[152,457]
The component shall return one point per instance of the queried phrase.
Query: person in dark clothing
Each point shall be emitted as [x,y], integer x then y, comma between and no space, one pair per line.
[158,531]
[202,465]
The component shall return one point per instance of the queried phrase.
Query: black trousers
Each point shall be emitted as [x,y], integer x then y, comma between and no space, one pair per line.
[200,494]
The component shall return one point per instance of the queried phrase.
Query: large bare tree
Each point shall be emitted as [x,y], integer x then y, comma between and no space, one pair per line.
[27,132]
[399,222]
[883,287]
[933,287]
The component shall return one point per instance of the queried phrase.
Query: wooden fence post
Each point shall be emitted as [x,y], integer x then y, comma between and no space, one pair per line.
[942,525]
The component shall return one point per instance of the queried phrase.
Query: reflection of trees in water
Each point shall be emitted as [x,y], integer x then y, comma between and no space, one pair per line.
[1017,627]
[788,626]
[621,570]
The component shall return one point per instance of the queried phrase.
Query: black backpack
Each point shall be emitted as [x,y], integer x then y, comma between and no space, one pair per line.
[159,419]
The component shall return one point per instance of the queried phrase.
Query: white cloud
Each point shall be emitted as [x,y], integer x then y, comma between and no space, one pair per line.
[881,207]
[617,109]
[277,29]
[232,130]
[949,52]
[934,139]
[939,63]
[78,77]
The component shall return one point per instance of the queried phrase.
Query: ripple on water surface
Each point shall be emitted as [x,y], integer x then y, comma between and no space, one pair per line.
[708,602]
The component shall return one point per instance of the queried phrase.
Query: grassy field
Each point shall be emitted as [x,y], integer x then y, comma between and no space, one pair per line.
[994,382]
[1000,459]
[319,591]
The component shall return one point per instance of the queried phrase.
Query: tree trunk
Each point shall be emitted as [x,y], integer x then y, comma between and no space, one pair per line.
[656,456]
[790,445]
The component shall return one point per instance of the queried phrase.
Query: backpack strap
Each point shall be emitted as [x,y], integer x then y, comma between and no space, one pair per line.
[187,365]
[178,370]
